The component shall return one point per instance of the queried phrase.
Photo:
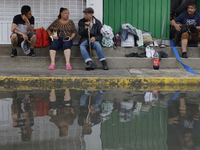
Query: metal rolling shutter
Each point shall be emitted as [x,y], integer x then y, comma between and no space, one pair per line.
[44,11]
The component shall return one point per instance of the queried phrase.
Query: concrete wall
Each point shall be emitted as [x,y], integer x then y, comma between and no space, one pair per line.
[97,5]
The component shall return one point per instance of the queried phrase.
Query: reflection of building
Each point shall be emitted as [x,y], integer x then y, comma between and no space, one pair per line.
[138,133]
[93,141]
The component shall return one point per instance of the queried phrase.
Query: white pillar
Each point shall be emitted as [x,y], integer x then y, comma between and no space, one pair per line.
[97,5]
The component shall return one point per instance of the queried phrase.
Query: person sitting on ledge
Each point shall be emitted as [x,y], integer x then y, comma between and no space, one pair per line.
[23,32]
[64,32]
[92,25]
[191,17]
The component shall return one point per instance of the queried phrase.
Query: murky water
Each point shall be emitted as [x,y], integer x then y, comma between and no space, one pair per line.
[99,120]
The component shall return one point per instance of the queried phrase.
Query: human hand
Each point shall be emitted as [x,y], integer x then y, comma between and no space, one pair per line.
[67,39]
[25,37]
[173,120]
[24,18]
[55,37]
[178,27]
[92,40]
[87,25]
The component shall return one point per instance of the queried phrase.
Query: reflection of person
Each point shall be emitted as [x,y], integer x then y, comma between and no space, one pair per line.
[66,29]
[185,119]
[89,22]
[89,111]
[23,30]
[61,112]
[23,113]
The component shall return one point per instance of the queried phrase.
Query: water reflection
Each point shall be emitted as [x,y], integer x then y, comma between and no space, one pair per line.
[95,120]
[89,111]
[61,112]
[184,120]
[23,112]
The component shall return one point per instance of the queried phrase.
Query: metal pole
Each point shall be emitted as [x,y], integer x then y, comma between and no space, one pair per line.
[161,45]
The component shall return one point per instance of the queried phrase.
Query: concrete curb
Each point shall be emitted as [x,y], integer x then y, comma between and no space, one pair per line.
[104,83]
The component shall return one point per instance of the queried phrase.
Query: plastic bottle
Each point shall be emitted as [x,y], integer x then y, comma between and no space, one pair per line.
[118,40]
[155,95]
[156,61]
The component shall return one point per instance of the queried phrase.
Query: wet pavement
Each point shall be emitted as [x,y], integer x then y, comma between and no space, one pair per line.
[70,119]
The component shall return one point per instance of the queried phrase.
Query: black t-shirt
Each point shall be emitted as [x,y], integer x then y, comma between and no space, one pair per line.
[21,24]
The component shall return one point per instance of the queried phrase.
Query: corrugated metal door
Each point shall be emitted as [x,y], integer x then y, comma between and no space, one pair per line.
[142,14]
[44,11]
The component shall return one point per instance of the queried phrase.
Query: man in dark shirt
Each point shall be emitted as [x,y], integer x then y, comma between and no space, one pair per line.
[94,25]
[191,17]
[23,30]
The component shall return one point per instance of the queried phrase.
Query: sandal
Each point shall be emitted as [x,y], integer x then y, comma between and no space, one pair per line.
[68,67]
[51,67]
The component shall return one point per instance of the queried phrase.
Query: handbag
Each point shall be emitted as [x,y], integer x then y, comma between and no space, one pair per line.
[42,38]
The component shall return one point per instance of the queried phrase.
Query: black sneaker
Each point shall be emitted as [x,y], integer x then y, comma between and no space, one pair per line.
[90,66]
[104,64]
[184,55]
[14,53]
[32,54]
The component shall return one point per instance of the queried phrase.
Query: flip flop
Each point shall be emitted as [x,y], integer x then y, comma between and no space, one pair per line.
[51,67]
[68,67]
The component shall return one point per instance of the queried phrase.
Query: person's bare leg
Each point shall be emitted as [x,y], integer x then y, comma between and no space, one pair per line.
[33,41]
[52,96]
[184,43]
[52,56]
[67,53]
[14,41]
[67,96]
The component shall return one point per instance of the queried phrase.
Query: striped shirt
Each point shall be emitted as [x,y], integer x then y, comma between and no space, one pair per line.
[64,30]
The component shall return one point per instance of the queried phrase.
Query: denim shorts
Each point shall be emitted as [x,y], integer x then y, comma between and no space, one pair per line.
[56,44]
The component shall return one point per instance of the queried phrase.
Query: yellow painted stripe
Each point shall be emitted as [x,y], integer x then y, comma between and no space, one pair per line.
[94,83]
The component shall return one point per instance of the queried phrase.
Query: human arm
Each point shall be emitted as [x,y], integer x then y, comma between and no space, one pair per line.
[30,26]
[81,29]
[177,26]
[73,31]
[198,24]
[180,19]
[50,30]
[15,30]
[98,35]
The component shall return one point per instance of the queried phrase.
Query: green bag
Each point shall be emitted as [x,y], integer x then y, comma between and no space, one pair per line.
[107,42]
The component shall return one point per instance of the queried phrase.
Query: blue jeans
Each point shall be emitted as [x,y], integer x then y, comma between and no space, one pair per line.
[96,103]
[96,45]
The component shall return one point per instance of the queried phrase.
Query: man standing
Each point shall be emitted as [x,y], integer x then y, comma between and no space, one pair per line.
[23,32]
[94,25]
[191,17]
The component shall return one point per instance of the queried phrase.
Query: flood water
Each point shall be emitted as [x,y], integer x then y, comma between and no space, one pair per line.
[72,119]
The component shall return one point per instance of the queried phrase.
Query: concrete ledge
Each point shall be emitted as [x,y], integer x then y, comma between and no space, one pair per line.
[193,52]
